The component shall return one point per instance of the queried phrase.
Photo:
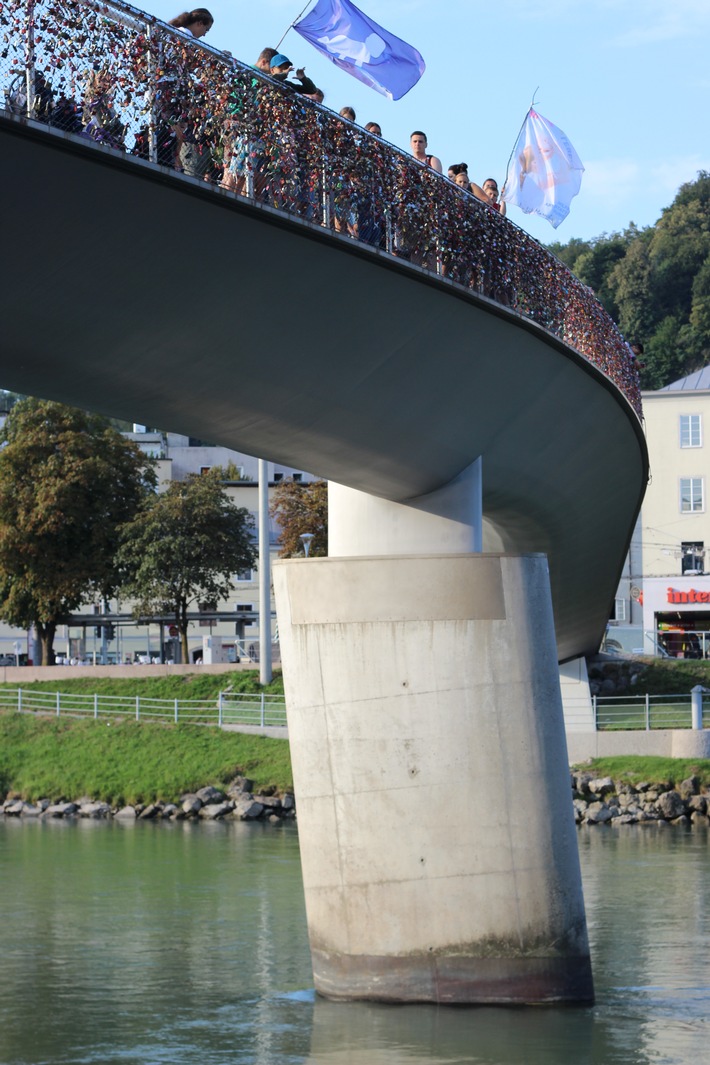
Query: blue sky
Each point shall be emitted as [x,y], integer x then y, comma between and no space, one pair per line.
[627,80]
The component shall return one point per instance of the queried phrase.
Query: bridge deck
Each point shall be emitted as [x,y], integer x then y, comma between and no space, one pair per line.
[149,296]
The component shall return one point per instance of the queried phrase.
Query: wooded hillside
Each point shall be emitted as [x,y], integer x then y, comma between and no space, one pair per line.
[655,282]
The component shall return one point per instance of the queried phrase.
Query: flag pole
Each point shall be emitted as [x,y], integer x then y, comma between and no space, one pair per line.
[517,138]
[294,22]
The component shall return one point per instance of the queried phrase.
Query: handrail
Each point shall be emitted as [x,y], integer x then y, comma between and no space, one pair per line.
[127,82]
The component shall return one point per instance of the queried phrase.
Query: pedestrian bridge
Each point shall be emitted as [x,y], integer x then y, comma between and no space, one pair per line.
[338,308]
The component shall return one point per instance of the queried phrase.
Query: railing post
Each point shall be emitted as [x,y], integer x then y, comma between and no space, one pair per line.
[249,186]
[389,231]
[648,712]
[696,697]
[176,711]
[138,707]
[154,41]
[30,61]
[327,209]
[96,706]
[220,709]
[59,699]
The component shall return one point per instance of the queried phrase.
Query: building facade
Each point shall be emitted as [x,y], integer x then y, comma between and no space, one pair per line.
[663,602]
[107,632]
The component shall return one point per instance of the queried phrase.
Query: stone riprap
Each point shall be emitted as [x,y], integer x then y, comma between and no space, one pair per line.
[597,801]
[603,801]
[238,803]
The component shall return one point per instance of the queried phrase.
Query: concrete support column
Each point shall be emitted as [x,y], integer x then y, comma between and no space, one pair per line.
[447,520]
[435,818]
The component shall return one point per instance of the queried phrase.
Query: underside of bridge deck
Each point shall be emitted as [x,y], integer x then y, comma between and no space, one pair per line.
[146,295]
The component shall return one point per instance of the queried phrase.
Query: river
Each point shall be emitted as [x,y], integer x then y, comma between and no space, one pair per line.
[185,944]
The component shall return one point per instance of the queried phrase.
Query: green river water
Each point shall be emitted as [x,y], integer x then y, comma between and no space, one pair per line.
[159,944]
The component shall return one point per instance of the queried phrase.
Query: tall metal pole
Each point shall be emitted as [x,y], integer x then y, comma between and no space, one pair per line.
[265,672]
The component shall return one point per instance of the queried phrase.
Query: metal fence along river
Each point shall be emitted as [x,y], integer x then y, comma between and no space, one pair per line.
[129,84]
[258,709]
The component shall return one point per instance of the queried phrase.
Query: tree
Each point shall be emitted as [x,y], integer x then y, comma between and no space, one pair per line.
[656,283]
[301,508]
[184,548]
[68,482]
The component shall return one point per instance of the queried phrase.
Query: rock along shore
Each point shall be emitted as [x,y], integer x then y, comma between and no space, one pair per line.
[596,801]
[238,803]
[603,801]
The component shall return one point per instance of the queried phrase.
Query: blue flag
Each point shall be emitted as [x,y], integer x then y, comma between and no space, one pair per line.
[351,40]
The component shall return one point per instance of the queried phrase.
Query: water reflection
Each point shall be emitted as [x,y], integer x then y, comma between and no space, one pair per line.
[149,944]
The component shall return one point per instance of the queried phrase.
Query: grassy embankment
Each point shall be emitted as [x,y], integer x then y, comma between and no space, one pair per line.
[140,762]
[127,761]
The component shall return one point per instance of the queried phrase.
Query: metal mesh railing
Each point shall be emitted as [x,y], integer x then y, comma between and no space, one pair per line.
[125,81]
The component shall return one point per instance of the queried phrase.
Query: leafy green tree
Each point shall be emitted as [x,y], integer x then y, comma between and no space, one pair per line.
[631,282]
[301,507]
[570,252]
[664,354]
[184,548]
[700,309]
[68,482]
[594,267]
[656,283]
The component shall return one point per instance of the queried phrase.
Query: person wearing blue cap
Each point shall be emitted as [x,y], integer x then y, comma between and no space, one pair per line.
[280,68]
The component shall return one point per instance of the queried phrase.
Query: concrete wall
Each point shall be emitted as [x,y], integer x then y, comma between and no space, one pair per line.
[665,743]
[27,674]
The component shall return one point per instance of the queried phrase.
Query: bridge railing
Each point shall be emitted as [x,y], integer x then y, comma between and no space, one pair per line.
[127,82]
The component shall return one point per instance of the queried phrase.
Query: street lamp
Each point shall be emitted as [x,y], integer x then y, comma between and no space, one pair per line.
[306,540]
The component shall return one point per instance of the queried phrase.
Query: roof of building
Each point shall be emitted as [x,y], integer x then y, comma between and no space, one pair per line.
[694,382]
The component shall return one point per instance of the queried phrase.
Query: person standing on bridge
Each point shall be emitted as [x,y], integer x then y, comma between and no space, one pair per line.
[490,187]
[193,157]
[196,23]
[458,173]
[418,142]
[415,238]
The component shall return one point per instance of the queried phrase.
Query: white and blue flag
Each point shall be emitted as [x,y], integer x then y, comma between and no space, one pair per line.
[546,173]
[351,40]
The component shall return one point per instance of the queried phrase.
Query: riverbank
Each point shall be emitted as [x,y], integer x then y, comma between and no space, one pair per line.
[54,768]
[124,762]
[601,800]
[237,803]
[596,801]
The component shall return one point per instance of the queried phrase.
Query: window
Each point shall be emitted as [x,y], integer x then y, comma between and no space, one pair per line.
[692,496]
[207,608]
[693,556]
[278,477]
[619,610]
[245,575]
[205,469]
[298,477]
[690,430]
[245,608]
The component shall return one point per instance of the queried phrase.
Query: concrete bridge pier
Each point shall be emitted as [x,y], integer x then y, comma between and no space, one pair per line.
[437,839]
